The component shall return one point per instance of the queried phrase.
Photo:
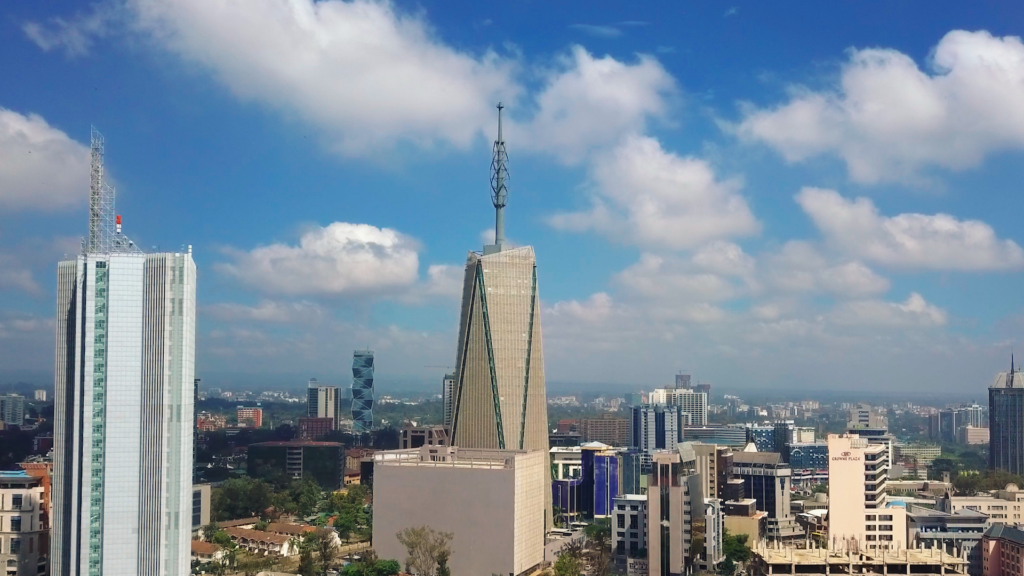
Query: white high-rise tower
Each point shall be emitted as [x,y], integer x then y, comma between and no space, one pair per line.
[124,377]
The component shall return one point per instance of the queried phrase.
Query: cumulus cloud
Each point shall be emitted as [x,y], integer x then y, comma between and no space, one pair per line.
[444,280]
[590,102]
[915,311]
[646,196]
[41,167]
[888,119]
[799,267]
[661,278]
[341,258]
[597,308]
[938,242]
[266,311]
[74,35]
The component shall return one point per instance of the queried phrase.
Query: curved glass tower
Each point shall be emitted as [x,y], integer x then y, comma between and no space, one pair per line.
[362,390]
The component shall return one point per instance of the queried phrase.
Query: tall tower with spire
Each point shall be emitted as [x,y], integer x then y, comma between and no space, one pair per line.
[1006,421]
[499,397]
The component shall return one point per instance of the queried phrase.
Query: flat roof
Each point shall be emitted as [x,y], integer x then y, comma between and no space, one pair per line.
[296,443]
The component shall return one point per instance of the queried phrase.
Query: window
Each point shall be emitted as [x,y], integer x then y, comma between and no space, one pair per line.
[621,534]
[885,518]
[634,547]
[871,537]
[634,522]
[870,527]
[16,501]
[621,521]
[15,524]
[620,507]
[620,547]
[15,546]
[886,537]
[885,527]
[870,518]
[634,508]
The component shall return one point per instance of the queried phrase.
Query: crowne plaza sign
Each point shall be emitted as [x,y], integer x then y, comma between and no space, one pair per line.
[846,456]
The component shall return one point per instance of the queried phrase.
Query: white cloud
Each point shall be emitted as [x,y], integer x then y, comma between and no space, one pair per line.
[888,119]
[444,280]
[598,30]
[597,308]
[341,258]
[661,278]
[75,35]
[589,103]
[799,267]
[915,311]
[939,241]
[266,311]
[646,196]
[40,166]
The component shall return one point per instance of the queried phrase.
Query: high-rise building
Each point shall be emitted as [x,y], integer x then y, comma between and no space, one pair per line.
[860,517]
[323,402]
[1006,422]
[703,388]
[949,422]
[250,417]
[40,395]
[12,409]
[682,380]
[362,390]
[23,529]
[629,526]
[608,429]
[768,479]
[694,403]
[656,427]
[447,390]
[974,415]
[125,364]
[499,393]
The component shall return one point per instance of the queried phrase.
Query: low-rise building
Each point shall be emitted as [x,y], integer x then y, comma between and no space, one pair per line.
[201,494]
[249,417]
[958,534]
[972,435]
[261,543]
[1002,551]
[629,527]
[206,552]
[313,428]
[416,436]
[23,531]
[1002,506]
[743,517]
[785,561]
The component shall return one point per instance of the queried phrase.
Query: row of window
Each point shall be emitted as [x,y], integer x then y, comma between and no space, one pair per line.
[633,521]
[881,527]
[18,523]
[881,517]
[883,537]
[18,545]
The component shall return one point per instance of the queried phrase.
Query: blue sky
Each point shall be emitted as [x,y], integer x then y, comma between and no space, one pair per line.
[763,196]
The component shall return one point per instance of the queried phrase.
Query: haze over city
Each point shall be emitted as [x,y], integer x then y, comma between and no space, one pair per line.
[764,196]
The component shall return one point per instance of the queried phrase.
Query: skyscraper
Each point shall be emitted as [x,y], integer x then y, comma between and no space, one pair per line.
[1006,422]
[362,390]
[124,382]
[447,388]
[323,402]
[499,392]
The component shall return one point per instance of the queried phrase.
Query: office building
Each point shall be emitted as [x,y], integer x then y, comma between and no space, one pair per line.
[23,530]
[447,391]
[714,526]
[589,491]
[323,402]
[12,410]
[809,463]
[693,403]
[633,398]
[768,480]
[492,501]
[949,423]
[40,395]
[322,461]
[743,517]
[608,429]
[313,428]
[416,436]
[362,390]
[629,527]
[500,399]
[860,517]
[250,417]
[714,465]
[1006,422]
[974,415]
[972,435]
[1000,506]
[124,380]
[957,534]
[735,436]
[921,453]
[656,427]
[1002,549]
[634,466]
[865,416]
[677,516]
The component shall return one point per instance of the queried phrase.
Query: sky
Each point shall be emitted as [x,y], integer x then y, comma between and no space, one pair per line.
[766,196]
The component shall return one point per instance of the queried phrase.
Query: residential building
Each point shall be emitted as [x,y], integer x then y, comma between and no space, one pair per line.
[958,534]
[629,526]
[767,479]
[23,530]
[261,543]
[323,402]
[123,418]
[656,427]
[12,410]
[206,422]
[249,417]
[589,492]
[971,435]
[1006,422]
[362,390]
[450,482]
[40,395]
[314,428]
[322,461]
[416,436]
[201,494]
[447,398]
[703,389]
[714,527]
[692,402]
[608,429]
[860,517]
[42,469]
[205,552]
[1002,550]
[682,381]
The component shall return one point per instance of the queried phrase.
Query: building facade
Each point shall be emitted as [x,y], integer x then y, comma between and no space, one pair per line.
[447,391]
[629,526]
[957,534]
[249,417]
[608,429]
[656,427]
[313,428]
[362,390]
[768,480]
[23,530]
[492,501]
[323,402]
[675,513]
[692,402]
[1002,550]
[1006,422]
[416,436]
[123,420]
[12,409]
[590,491]
[860,517]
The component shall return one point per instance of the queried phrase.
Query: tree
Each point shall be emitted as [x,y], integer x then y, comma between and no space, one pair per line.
[345,525]
[325,549]
[727,567]
[442,564]
[261,525]
[568,565]
[425,546]
[599,546]
[735,547]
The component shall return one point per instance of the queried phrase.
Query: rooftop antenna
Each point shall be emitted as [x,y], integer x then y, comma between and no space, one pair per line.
[499,187]
[1009,379]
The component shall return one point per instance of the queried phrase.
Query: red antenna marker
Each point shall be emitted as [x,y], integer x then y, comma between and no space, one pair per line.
[118,223]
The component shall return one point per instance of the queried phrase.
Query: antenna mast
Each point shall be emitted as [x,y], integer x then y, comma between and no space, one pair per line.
[104,225]
[499,186]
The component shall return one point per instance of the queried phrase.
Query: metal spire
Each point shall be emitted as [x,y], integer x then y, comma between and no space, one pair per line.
[499,186]
[1009,379]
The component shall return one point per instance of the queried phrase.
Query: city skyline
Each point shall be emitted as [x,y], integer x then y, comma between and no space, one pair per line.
[724,210]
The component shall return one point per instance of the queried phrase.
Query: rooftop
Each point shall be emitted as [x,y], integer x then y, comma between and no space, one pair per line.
[449,457]
[1004,532]
[204,548]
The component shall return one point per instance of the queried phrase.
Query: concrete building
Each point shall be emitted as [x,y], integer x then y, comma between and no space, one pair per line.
[957,534]
[1006,422]
[23,530]
[250,417]
[922,453]
[201,494]
[971,435]
[766,560]
[743,517]
[608,429]
[715,466]
[313,428]
[1003,506]
[124,385]
[447,398]
[323,402]
[416,436]
[40,395]
[714,526]
[734,436]
[12,410]
[656,427]
[675,512]
[491,500]
[629,527]
[974,415]
[767,479]
[809,462]
[860,517]
[693,403]
[865,416]
[1002,551]
[322,461]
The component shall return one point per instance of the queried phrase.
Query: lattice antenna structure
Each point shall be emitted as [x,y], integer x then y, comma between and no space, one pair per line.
[499,185]
[105,235]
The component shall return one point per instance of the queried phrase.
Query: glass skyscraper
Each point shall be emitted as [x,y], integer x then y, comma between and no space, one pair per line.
[362,390]
[1006,422]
